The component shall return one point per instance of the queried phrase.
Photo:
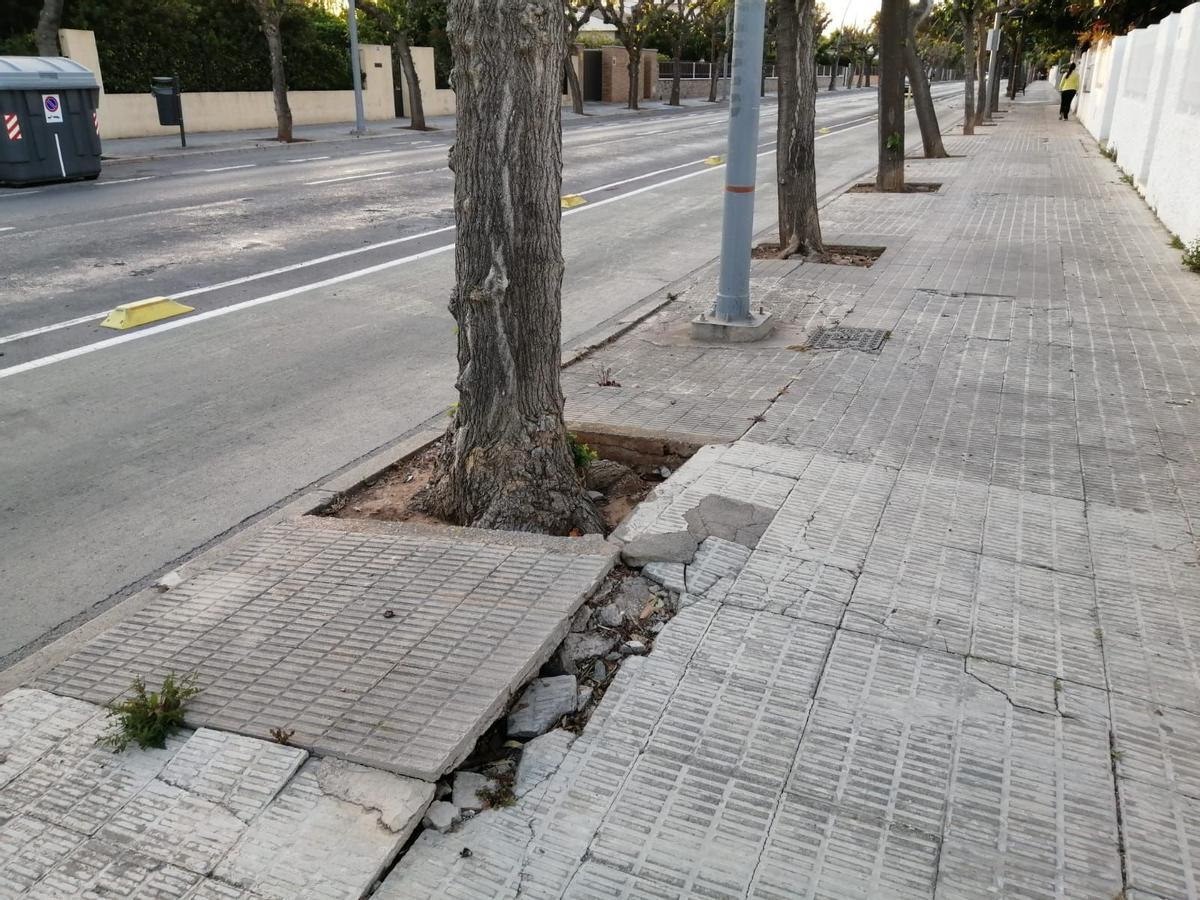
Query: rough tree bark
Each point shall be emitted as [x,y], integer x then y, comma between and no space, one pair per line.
[893,26]
[713,70]
[676,65]
[967,15]
[269,14]
[506,461]
[981,72]
[634,67]
[46,34]
[931,134]
[402,50]
[795,161]
[573,84]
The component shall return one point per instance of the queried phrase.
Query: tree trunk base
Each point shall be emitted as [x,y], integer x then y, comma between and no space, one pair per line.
[507,489]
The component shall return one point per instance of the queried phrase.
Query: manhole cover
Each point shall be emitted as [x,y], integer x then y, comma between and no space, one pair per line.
[866,339]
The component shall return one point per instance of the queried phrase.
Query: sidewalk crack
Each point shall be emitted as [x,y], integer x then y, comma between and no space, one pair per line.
[1014,704]
[1113,756]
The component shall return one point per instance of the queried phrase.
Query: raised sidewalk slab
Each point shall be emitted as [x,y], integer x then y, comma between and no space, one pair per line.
[961,661]
[393,646]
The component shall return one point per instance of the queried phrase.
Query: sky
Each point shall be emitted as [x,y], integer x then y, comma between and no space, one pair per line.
[857,12]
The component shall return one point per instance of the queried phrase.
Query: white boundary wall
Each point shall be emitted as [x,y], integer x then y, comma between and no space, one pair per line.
[1141,97]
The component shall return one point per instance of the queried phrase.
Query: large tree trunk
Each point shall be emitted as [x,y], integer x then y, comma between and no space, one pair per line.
[833,74]
[969,72]
[283,111]
[635,82]
[676,66]
[714,73]
[981,68]
[573,82]
[416,112]
[46,34]
[995,86]
[795,162]
[893,26]
[506,462]
[931,134]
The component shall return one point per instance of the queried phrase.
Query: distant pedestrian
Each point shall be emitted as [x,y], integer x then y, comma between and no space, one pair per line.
[1069,87]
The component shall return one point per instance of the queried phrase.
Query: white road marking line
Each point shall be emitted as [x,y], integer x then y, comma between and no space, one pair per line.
[18,193]
[346,178]
[33,332]
[228,168]
[214,313]
[123,180]
[373,152]
[4,373]
[284,162]
[8,228]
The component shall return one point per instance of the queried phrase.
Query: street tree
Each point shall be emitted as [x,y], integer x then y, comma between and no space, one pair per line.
[795,160]
[682,16]
[506,462]
[931,134]
[393,19]
[714,17]
[46,35]
[575,15]
[893,26]
[270,13]
[632,22]
[968,11]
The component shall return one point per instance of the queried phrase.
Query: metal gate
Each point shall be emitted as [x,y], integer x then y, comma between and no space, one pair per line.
[593,75]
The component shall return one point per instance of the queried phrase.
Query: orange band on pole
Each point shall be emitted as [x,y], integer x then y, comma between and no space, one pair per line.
[740,188]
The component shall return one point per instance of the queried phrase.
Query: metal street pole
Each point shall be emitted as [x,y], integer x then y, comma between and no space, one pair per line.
[355,71]
[737,229]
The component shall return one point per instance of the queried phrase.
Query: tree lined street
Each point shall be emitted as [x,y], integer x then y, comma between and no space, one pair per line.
[137,454]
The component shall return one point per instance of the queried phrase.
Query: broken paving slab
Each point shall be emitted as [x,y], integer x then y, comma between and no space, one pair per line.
[751,475]
[80,820]
[331,833]
[394,646]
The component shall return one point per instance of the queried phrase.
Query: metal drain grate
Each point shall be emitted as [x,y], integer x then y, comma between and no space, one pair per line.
[865,339]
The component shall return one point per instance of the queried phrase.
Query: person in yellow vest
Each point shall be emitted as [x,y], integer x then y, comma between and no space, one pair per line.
[1069,87]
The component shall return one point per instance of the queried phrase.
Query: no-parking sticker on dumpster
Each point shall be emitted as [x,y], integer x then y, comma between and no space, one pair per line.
[52,106]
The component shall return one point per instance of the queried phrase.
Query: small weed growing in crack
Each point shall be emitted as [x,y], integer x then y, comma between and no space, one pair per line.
[1128,179]
[148,717]
[1099,634]
[501,795]
[1058,685]
[583,455]
[1176,243]
[758,418]
[1191,256]
[1117,755]
[1108,152]
[283,736]
[604,377]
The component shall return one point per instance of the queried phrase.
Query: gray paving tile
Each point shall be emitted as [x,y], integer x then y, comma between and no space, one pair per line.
[290,632]
[1037,530]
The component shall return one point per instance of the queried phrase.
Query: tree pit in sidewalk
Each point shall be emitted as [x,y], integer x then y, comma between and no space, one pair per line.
[621,619]
[834,255]
[910,187]
[625,470]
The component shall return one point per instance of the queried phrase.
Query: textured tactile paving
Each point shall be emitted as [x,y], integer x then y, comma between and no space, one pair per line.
[289,632]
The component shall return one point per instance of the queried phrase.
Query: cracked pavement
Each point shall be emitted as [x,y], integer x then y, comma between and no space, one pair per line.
[961,661]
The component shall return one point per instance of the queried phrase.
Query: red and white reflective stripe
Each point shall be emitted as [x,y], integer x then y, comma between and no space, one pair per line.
[12,125]
[96,122]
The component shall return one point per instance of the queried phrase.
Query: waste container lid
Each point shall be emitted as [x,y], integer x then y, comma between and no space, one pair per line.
[19,73]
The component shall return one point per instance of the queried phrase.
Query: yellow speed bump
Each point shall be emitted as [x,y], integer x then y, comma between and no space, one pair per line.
[570,201]
[714,160]
[143,312]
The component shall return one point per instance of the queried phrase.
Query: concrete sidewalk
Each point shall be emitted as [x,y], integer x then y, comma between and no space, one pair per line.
[962,660]
[937,629]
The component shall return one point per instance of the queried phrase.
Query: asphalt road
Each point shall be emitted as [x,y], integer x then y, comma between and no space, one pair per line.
[319,273]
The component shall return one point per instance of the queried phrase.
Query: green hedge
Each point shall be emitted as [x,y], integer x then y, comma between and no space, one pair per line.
[214,45]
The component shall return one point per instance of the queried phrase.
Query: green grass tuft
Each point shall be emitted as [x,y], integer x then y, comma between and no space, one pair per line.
[147,717]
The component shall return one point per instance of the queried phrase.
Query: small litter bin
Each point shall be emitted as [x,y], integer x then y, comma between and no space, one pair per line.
[167,94]
[48,125]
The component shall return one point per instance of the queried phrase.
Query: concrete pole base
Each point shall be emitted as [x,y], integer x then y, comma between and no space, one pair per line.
[757,327]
